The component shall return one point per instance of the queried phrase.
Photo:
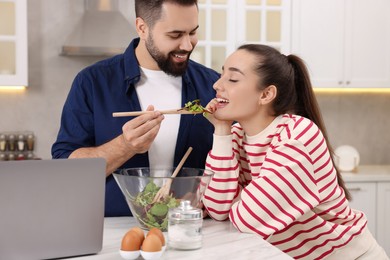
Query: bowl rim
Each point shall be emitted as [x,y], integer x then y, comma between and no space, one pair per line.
[118,172]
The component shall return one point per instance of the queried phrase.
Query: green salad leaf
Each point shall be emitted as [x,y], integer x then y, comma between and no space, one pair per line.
[194,106]
[153,214]
[159,209]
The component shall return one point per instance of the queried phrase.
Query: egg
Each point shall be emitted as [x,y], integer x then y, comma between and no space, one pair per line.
[152,243]
[131,241]
[159,233]
[139,232]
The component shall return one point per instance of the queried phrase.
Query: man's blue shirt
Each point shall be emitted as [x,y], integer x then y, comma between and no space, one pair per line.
[109,86]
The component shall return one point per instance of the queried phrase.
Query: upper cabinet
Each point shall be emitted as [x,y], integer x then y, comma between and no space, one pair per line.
[226,24]
[13,43]
[345,43]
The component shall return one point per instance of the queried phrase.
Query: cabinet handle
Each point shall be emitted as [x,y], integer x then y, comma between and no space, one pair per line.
[348,82]
[340,82]
[355,189]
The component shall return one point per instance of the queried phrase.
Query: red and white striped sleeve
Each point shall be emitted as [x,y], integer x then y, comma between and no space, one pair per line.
[224,186]
[285,190]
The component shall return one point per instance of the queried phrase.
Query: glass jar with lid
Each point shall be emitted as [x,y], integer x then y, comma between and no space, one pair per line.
[185,227]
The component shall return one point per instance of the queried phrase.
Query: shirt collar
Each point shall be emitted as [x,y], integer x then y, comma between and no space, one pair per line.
[132,72]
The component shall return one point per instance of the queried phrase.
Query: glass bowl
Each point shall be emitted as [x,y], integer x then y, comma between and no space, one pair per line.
[140,185]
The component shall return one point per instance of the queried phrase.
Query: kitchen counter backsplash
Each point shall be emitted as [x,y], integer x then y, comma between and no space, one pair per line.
[17,146]
[364,173]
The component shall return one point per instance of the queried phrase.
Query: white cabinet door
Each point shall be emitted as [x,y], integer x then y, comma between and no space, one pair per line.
[13,43]
[383,218]
[367,43]
[318,38]
[346,43]
[363,198]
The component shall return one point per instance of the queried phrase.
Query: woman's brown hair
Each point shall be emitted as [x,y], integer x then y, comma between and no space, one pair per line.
[294,89]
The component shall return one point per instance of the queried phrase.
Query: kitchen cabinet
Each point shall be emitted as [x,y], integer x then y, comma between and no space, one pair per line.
[226,24]
[370,190]
[383,231]
[13,43]
[363,194]
[345,43]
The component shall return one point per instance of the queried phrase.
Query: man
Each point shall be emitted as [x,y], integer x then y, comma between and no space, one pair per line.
[154,73]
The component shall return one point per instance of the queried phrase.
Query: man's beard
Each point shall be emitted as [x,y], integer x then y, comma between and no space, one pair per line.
[165,63]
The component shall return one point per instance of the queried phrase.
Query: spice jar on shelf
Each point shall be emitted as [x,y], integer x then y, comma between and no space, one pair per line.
[3,142]
[21,142]
[17,145]
[11,142]
[30,142]
[11,156]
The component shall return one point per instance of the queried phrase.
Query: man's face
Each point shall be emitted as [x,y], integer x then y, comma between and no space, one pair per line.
[173,37]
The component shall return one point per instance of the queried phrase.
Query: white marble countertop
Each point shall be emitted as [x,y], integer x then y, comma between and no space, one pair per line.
[220,241]
[365,173]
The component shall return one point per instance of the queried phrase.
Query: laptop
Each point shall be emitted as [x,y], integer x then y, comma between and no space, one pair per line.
[51,208]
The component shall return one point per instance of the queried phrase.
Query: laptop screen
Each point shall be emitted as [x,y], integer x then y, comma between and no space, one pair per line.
[51,208]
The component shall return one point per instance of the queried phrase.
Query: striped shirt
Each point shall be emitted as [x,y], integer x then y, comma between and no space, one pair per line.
[282,185]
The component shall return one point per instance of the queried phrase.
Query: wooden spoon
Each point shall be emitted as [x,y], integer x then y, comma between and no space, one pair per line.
[164,190]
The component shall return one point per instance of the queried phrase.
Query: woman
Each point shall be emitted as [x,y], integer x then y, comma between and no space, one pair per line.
[274,173]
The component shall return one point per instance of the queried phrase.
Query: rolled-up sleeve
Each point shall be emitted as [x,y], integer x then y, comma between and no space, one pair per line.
[77,126]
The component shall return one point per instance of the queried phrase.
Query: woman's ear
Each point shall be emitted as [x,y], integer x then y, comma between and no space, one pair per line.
[267,95]
[141,27]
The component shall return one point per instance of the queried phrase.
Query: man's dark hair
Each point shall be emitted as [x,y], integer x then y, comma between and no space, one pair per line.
[150,10]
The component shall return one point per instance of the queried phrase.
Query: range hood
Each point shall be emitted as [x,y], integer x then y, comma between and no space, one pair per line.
[102,31]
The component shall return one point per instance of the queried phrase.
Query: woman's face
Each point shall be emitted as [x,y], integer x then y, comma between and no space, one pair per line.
[238,88]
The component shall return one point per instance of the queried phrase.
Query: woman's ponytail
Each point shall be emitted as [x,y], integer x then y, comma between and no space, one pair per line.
[307,106]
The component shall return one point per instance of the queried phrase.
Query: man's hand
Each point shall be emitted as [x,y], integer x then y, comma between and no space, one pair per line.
[140,132]
[137,137]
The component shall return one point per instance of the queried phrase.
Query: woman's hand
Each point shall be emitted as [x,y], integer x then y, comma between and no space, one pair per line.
[221,127]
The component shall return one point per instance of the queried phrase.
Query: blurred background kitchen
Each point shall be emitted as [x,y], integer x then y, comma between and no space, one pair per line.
[345,43]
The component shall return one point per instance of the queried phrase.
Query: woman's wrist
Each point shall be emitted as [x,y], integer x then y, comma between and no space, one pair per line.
[222,129]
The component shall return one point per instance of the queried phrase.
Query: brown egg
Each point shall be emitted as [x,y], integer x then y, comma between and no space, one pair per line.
[152,243]
[159,233]
[139,232]
[131,241]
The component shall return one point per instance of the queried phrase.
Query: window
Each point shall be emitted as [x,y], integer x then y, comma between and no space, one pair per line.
[226,24]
